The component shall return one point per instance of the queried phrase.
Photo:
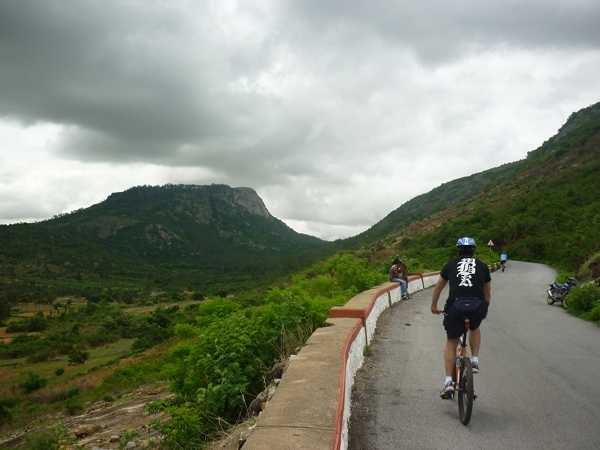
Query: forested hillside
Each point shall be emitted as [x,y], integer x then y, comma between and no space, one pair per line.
[544,208]
[169,238]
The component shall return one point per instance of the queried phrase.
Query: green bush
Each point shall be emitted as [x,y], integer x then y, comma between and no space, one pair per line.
[6,406]
[185,330]
[583,298]
[33,382]
[44,440]
[591,268]
[73,406]
[58,372]
[78,356]
[34,324]
[227,364]
[594,313]
[72,392]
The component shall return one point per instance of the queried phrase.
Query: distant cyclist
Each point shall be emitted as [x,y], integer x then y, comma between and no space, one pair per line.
[469,278]
[503,260]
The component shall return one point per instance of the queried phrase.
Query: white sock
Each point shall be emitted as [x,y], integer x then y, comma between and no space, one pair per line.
[448,380]
[475,359]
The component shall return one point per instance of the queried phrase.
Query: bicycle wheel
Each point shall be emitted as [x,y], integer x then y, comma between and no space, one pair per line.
[466,392]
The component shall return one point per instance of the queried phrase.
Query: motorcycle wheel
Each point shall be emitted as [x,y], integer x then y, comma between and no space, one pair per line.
[565,302]
[550,300]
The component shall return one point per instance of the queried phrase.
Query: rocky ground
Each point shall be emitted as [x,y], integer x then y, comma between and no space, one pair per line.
[122,424]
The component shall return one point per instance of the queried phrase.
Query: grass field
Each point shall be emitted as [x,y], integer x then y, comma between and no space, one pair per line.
[12,371]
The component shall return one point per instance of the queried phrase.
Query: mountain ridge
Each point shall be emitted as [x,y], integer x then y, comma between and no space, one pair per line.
[183,236]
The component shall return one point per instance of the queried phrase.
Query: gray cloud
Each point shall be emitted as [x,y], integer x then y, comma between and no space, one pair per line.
[436,30]
[321,106]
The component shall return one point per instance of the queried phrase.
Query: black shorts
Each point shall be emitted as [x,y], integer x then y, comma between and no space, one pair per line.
[454,321]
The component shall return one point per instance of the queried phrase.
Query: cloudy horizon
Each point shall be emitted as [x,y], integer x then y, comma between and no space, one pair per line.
[335,112]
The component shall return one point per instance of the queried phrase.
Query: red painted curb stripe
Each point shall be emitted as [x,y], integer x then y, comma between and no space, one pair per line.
[339,413]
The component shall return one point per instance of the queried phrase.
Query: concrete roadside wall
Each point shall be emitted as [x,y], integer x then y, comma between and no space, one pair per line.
[311,408]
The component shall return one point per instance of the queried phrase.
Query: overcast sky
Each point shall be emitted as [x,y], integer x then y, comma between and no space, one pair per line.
[336,112]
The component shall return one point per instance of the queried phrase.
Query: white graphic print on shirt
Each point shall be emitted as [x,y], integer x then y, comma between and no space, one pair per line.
[465,269]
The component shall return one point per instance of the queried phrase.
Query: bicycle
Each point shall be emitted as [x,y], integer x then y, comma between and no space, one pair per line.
[463,379]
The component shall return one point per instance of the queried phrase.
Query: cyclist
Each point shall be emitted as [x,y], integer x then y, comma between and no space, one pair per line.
[398,275]
[469,279]
[503,259]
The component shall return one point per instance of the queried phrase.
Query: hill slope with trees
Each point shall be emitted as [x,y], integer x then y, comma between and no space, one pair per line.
[544,208]
[170,237]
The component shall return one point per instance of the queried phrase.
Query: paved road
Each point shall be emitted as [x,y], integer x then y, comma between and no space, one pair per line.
[539,386]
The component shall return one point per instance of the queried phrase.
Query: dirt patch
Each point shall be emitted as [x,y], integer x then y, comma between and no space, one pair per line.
[109,425]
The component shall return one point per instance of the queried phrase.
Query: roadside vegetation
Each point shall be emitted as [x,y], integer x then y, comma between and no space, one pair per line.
[584,302]
[217,354]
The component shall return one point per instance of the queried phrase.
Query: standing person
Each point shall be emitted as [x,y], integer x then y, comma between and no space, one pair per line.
[469,279]
[503,259]
[398,275]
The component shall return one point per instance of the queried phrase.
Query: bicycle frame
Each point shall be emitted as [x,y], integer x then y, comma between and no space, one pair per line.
[461,352]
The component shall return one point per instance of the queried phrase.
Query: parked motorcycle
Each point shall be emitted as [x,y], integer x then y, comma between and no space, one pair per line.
[558,291]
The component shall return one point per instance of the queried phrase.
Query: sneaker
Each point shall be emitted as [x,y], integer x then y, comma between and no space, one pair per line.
[475,366]
[447,390]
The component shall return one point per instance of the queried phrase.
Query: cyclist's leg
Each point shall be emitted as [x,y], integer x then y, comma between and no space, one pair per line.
[475,341]
[454,326]
[475,335]
[450,356]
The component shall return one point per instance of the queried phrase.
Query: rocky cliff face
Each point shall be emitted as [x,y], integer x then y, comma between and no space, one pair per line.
[248,199]
[203,203]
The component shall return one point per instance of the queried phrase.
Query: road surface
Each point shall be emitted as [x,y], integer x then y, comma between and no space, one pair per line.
[539,385]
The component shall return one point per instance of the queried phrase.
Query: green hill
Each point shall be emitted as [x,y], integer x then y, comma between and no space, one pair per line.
[207,238]
[544,208]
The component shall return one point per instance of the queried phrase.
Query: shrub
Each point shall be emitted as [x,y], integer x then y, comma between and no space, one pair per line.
[78,356]
[6,404]
[43,440]
[591,268]
[228,362]
[185,330]
[41,355]
[73,406]
[594,313]
[33,382]
[72,392]
[5,307]
[58,372]
[583,298]
[33,324]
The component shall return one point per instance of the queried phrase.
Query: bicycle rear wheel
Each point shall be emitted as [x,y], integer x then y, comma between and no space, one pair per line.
[466,392]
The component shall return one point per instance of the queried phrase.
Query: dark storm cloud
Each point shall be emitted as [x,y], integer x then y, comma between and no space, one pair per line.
[135,80]
[438,30]
[317,104]
[152,81]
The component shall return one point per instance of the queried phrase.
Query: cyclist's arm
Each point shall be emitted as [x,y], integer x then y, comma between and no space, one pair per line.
[487,292]
[437,290]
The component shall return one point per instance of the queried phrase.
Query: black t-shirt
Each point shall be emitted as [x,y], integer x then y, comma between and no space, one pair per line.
[466,277]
